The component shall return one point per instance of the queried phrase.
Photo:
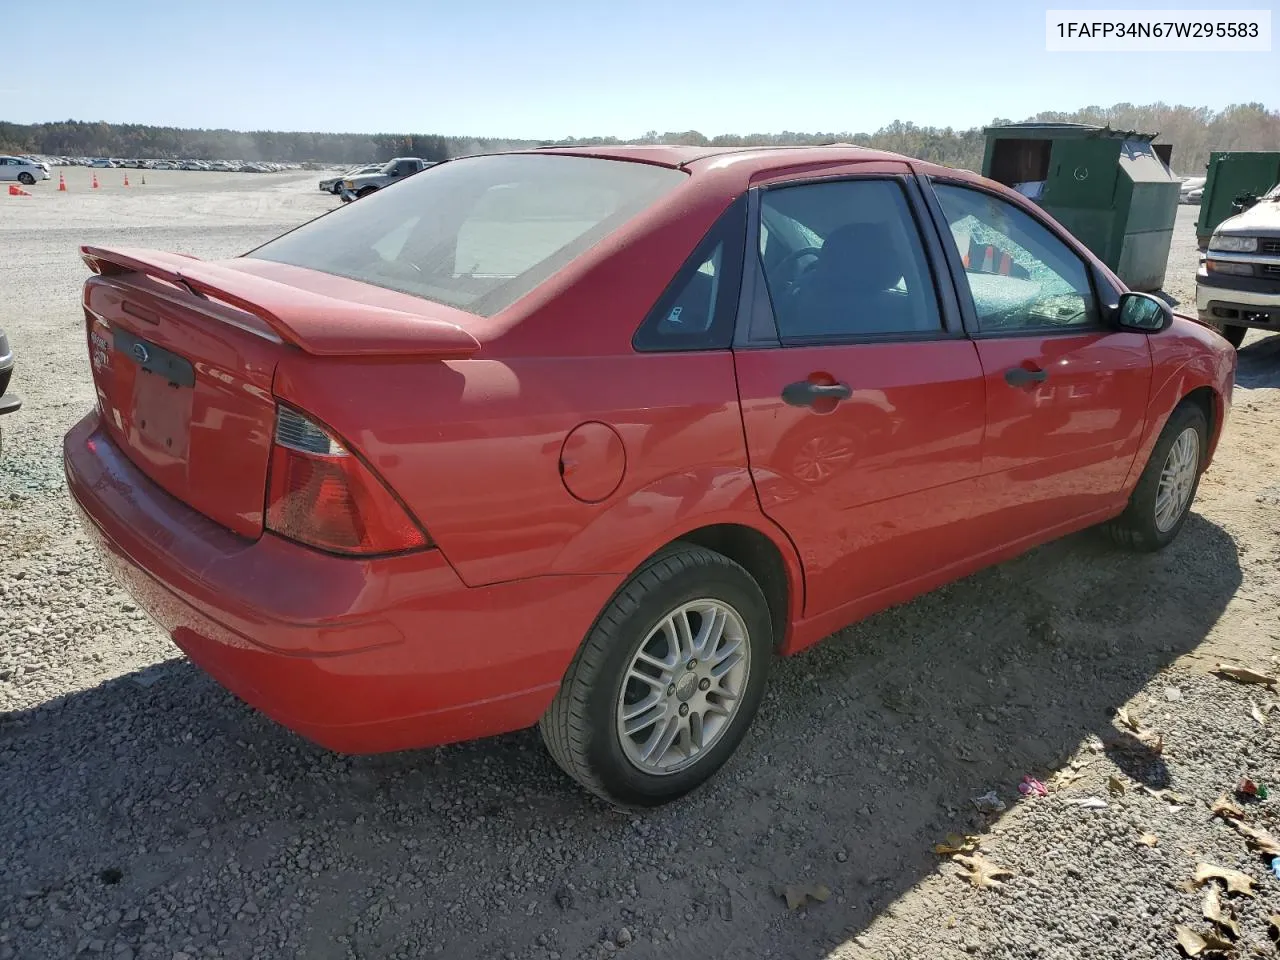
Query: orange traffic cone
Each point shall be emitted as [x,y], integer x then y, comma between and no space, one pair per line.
[95,181]
[144,179]
[17,191]
[62,183]
[126,179]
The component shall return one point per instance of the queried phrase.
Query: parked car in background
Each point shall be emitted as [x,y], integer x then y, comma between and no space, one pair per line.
[101,162]
[1191,190]
[1238,283]
[334,184]
[390,172]
[611,428]
[9,402]
[22,170]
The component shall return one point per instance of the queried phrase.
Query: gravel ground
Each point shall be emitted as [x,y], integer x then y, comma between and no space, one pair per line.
[144,812]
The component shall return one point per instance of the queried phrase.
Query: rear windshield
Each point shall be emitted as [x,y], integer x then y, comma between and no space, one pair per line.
[476,233]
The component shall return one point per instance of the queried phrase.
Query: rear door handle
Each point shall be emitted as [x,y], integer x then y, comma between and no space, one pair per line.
[1021,376]
[804,393]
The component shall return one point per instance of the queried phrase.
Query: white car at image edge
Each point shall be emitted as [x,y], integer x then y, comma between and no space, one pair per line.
[23,170]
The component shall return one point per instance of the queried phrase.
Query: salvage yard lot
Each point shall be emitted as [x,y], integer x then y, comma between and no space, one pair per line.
[144,812]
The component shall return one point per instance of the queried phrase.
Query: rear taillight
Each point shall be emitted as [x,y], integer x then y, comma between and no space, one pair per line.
[319,494]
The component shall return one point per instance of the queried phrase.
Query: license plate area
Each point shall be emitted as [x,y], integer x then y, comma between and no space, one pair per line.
[163,393]
[156,360]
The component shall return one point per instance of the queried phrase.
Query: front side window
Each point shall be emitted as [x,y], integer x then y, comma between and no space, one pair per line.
[844,259]
[1021,276]
[477,233]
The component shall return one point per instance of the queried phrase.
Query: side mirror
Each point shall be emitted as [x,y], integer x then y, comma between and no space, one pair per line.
[1143,312]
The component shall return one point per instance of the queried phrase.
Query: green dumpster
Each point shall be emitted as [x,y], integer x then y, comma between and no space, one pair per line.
[1113,189]
[1232,174]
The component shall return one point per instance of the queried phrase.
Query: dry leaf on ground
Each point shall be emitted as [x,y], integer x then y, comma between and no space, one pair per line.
[1243,674]
[1152,741]
[1196,944]
[1258,839]
[1168,796]
[1273,927]
[1148,840]
[981,872]
[1223,807]
[1129,720]
[1115,785]
[1212,910]
[1236,881]
[1064,778]
[1145,741]
[1257,714]
[797,893]
[957,844]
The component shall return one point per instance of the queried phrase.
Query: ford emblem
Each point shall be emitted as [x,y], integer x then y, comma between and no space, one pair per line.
[140,353]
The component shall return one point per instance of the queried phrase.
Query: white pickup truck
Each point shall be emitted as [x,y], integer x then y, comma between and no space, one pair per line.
[1238,283]
[364,184]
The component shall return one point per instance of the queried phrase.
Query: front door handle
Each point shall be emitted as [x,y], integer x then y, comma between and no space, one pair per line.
[804,393]
[1021,376]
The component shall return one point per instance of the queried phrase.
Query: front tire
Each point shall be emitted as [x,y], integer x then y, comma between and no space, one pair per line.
[26,179]
[1163,496]
[365,191]
[667,683]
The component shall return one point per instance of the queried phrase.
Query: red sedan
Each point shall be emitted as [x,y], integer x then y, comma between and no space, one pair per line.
[585,437]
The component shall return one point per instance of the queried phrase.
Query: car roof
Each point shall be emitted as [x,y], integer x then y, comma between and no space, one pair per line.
[760,158]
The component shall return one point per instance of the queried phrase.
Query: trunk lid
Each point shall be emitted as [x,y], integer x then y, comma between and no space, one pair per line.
[183,354]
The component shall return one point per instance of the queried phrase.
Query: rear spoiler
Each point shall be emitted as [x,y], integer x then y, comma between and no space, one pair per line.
[314,323]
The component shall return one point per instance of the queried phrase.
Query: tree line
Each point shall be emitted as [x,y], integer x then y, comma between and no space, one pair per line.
[1193,132]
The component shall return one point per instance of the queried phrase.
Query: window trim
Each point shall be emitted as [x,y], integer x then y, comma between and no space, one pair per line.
[968,310]
[757,326]
[730,229]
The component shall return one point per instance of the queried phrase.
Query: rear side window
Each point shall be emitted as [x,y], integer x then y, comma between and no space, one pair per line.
[697,310]
[477,233]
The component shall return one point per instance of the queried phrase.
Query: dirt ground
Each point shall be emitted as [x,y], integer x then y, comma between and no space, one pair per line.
[144,812]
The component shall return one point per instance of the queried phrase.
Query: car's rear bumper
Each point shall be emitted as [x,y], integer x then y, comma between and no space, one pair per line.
[360,656]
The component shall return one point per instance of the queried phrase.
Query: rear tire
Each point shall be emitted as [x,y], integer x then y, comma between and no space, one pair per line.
[26,179]
[1151,522]
[365,191]
[599,730]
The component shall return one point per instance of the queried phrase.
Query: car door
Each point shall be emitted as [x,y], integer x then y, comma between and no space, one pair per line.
[862,401]
[8,169]
[1066,391]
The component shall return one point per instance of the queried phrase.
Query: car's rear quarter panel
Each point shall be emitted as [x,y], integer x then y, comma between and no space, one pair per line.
[473,446]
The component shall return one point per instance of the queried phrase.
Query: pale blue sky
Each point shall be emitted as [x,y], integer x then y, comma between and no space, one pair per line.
[556,68]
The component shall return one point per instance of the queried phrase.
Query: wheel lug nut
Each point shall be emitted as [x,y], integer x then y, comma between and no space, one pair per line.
[684,709]
[704,684]
[692,665]
[671,690]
